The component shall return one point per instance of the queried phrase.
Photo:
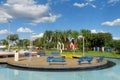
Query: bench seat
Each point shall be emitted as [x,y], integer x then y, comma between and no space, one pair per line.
[88,59]
[55,59]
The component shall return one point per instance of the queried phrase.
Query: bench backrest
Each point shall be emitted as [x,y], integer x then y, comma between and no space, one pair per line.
[41,53]
[55,53]
[27,54]
[52,59]
[101,58]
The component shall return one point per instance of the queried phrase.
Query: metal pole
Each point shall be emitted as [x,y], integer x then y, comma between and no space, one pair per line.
[30,46]
[83,47]
[22,43]
[9,36]
[30,41]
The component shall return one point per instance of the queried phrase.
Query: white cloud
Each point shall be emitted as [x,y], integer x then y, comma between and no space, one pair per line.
[116,38]
[93,31]
[80,4]
[113,1]
[37,35]
[101,31]
[57,1]
[28,9]
[51,18]
[30,2]
[94,6]
[4,17]
[24,30]
[115,22]
[4,31]
[90,0]
[88,3]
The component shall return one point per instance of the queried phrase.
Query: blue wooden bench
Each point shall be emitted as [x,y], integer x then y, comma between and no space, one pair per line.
[55,54]
[41,53]
[88,59]
[27,54]
[100,59]
[55,59]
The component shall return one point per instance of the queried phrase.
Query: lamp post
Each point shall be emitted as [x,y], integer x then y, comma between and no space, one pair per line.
[9,21]
[32,36]
[83,44]
[31,44]
[30,50]
[22,43]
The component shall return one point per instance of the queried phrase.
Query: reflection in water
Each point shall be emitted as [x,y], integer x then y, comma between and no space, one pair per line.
[16,72]
[104,74]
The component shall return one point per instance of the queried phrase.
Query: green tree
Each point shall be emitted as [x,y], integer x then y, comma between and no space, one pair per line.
[12,40]
[20,43]
[58,35]
[26,42]
[69,35]
[100,39]
[48,38]
[75,35]
[39,42]
[65,36]
[13,37]
[23,43]
[116,45]
[87,38]
[4,42]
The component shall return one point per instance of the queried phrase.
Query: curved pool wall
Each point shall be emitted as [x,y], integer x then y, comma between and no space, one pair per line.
[111,73]
[45,66]
[104,66]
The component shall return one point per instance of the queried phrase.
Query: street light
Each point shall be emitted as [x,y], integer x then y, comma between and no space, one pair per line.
[32,36]
[83,43]
[31,44]
[22,43]
[9,21]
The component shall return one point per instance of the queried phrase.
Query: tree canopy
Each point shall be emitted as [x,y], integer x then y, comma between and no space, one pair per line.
[51,38]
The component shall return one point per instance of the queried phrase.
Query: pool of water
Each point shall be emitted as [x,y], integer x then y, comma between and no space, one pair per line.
[112,73]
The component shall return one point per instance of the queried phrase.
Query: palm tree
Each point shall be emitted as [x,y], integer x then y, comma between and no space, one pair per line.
[20,43]
[58,35]
[87,36]
[69,35]
[48,37]
[64,36]
[39,42]
[75,35]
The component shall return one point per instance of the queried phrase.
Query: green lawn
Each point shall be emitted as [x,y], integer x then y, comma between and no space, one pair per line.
[107,54]
[88,53]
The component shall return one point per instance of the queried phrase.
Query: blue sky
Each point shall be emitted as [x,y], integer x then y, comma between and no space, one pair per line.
[36,16]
